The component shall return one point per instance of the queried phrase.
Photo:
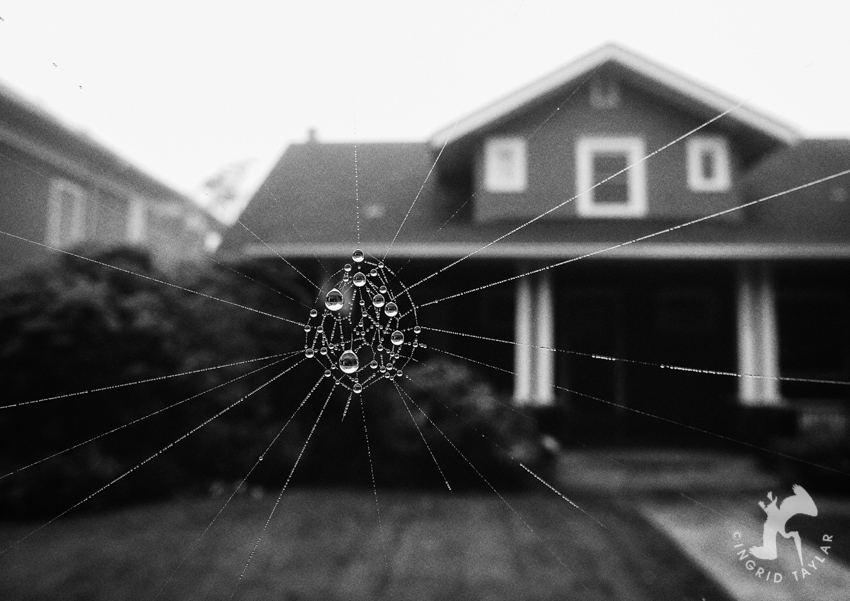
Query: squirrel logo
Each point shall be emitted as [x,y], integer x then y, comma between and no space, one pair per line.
[778,514]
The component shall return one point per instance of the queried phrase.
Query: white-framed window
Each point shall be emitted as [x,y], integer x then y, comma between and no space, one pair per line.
[66,213]
[604,93]
[708,164]
[505,165]
[597,160]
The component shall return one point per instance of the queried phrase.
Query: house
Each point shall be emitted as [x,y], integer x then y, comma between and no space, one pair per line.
[59,188]
[653,221]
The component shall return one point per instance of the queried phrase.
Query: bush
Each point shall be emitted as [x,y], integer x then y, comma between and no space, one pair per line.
[461,407]
[77,325]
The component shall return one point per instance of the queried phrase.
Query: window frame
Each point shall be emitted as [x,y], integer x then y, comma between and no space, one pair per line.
[494,180]
[696,148]
[59,190]
[633,147]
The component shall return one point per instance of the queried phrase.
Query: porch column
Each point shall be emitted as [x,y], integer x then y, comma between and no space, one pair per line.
[758,347]
[523,336]
[544,321]
[770,336]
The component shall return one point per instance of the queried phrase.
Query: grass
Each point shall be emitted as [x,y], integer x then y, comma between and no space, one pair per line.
[326,545]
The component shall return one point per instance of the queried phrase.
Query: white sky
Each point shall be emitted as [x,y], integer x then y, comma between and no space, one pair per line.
[183,88]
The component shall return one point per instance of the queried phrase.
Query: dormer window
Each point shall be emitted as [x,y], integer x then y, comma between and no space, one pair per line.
[505,165]
[619,161]
[604,93]
[708,164]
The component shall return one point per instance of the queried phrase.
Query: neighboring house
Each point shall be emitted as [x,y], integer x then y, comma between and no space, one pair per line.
[762,290]
[60,188]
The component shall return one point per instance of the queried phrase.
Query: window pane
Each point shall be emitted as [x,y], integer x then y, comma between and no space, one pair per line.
[67,222]
[615,191]
[708,165]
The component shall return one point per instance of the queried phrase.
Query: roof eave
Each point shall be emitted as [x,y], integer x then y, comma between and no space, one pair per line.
[611,52]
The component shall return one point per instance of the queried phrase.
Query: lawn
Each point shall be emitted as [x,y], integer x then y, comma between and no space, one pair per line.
[326,545]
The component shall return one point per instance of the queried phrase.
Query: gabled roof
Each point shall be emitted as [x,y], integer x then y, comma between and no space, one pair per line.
[661,78]
[30,129]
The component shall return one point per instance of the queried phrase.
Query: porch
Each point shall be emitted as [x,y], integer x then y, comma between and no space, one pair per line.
[675,353]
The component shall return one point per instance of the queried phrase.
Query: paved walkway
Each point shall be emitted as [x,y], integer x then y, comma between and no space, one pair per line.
[706,532]
[619,471]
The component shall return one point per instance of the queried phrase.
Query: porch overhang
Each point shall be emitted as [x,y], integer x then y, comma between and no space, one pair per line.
[562,251]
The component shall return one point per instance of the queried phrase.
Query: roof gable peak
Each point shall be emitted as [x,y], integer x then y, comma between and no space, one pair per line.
[631,61]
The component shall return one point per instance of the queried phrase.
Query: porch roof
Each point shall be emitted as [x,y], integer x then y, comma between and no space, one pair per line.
[308,206]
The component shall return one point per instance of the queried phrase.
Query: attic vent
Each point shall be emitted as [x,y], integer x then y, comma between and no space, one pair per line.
[604,93]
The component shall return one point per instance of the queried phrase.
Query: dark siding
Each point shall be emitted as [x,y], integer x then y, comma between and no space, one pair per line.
[24,191]
[551,157]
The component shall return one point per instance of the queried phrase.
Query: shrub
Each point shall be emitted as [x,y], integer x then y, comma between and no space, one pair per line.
[77,325]
[461,407]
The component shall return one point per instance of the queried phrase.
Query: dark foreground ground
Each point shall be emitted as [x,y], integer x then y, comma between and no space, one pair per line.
[327,545]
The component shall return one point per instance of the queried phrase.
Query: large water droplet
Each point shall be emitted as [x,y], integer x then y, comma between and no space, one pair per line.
[357,256]
[391,309]
[397,338]
[348,362]
[346,267]
[313,313]
[333,300]
[416,329]
[382,289]
[327,373]
[359,279]
[373,364]
[309,353]
[357,388]
[378,300]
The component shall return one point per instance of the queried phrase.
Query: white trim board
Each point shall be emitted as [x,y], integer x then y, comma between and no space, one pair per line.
[557,251]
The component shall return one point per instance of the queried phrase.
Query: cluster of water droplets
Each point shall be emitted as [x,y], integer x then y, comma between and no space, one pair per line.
[367,329]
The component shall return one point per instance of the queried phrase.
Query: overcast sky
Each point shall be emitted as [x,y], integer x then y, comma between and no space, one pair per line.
[183,88]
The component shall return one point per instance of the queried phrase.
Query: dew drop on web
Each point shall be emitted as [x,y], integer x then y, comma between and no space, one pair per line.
[333,300]
[357,256]
[348,362]
[359,279]
[357,388]
[391,309]
[378,300]
[397,338]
